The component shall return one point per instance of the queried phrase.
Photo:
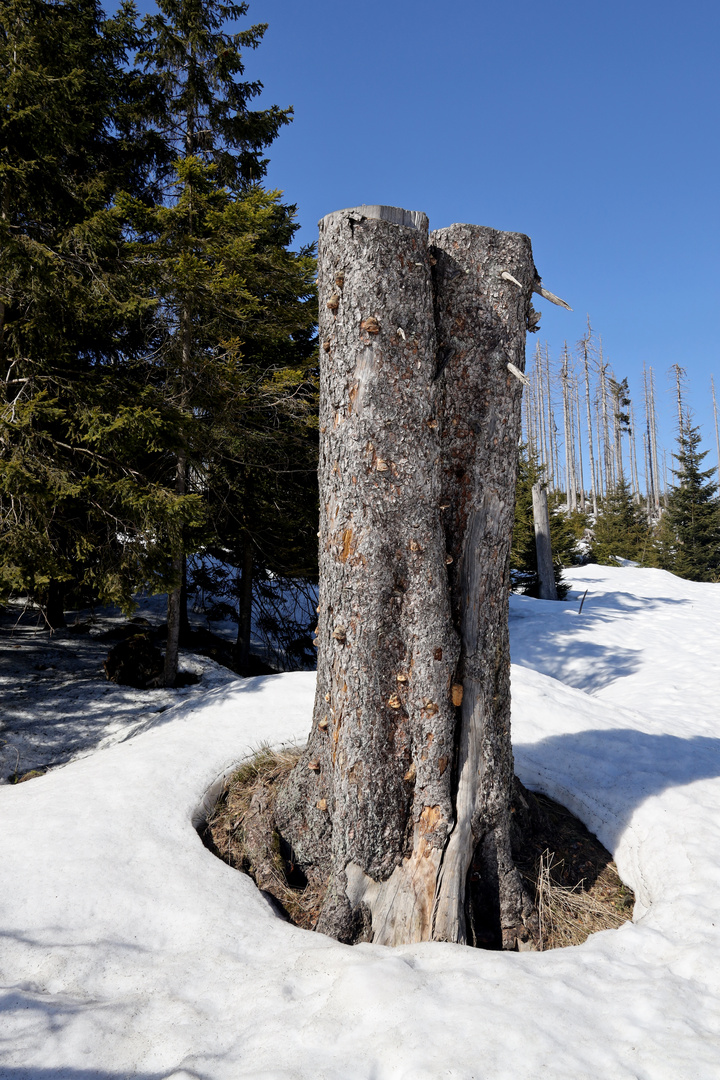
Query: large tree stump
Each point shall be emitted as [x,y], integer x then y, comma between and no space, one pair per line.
[409,766]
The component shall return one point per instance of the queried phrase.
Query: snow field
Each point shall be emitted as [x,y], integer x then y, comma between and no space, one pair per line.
[128,950]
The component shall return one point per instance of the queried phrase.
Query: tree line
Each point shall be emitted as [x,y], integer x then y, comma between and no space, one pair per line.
[614,490]
[157,332]
[158,354]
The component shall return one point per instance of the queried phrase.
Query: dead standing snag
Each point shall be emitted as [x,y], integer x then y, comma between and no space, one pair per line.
[409,754]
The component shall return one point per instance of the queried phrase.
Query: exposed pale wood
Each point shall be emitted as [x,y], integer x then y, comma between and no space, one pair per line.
[542,291]
[580,449]
[570,482]
[655,458]
[395,215]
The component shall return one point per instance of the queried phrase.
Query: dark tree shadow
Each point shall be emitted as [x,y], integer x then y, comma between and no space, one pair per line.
[620,768]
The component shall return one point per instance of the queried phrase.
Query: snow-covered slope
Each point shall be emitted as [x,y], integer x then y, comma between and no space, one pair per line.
[128,950]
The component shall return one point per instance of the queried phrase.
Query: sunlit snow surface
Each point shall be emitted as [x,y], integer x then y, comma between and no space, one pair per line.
[128,950]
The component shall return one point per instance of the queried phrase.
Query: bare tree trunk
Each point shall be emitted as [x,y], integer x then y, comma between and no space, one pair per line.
[370,806]
[679,376]
[418,452]
[618,468]
[653,441]
[554,451]
[570,484]
[245,597]
[605,425]
[648,448]
[174,604]
[545,457]
[543,546]
[717,431]
[634,476]
[600,465]
[579,442]
[586,366]
[529,405]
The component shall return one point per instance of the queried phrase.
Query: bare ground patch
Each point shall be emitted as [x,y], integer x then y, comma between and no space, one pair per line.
[576,884]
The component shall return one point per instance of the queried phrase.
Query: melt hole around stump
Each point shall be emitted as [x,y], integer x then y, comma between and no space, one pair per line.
[571,875]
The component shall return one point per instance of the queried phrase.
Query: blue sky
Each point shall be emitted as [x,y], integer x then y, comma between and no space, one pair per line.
[593,128]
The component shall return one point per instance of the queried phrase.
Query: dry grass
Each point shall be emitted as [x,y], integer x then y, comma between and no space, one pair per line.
[576,884]
[577,887]
[569,914]
[262,775]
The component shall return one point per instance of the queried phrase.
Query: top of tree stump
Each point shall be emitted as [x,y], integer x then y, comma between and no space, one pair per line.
[413,219]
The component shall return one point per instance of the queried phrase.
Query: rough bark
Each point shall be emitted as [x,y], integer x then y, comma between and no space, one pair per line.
[543,547]
[175,594]
[184,619]
[481,318]
[410,743]
[55,605]
[370,803]
[242,645]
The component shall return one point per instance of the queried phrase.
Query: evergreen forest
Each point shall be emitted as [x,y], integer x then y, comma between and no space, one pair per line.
[157,329]
[158,353]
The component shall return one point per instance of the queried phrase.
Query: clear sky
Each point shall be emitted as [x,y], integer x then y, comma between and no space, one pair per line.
[592,127]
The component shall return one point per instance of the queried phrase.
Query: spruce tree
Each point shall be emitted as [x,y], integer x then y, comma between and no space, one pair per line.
[688,540]
[69,140]
[621,527]
[235,306]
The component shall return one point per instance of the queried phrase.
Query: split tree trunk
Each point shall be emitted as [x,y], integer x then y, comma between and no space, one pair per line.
[409,766]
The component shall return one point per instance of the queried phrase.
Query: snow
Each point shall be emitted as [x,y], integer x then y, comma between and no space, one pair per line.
[57,703]
[130,951]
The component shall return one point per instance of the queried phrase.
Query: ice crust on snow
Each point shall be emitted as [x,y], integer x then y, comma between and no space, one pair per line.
[128,950]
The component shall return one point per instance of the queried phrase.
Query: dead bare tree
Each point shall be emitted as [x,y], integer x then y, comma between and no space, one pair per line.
[576,394]
[584,345]
[717,431]
[570,482]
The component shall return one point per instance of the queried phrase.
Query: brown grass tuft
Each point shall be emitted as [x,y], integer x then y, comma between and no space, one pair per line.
[569,914]
[576,884]
[262,775]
